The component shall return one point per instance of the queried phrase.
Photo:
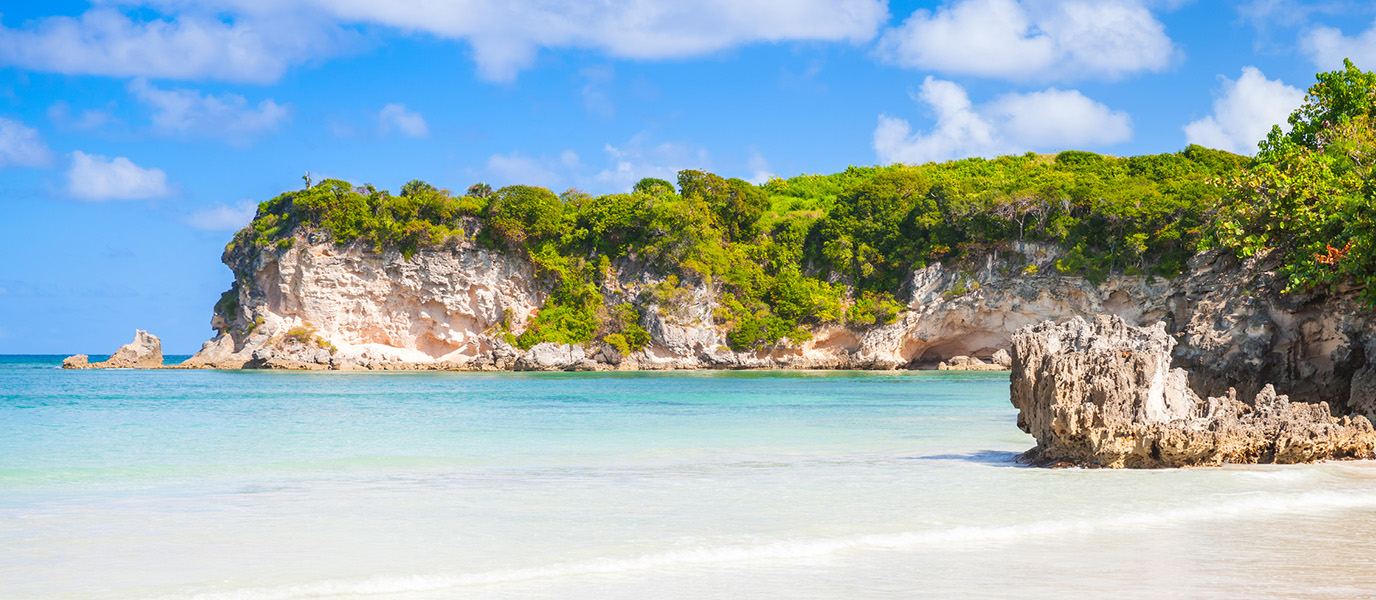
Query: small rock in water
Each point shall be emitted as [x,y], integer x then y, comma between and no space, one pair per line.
[1103,394]
[145,352]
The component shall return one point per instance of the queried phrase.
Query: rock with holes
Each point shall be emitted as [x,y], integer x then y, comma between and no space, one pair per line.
[1102,393]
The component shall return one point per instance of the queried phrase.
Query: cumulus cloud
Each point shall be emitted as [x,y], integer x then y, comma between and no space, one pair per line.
[194,45]
[408,122]
[1048,119]
[1031,39]
[505,36]
[1244,113]
[1326,47]
[222,217]
[95,177]
[21,146]
[189,112]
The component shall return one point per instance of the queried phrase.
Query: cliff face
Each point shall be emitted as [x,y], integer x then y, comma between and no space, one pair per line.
[318,305]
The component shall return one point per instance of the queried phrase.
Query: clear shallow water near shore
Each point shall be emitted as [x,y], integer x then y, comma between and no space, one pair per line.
[274,485]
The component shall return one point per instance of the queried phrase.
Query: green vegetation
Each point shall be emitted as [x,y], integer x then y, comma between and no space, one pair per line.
[305,335]
[1309,197]
[788,254]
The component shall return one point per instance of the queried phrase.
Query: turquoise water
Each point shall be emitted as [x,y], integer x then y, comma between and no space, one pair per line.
[279,485]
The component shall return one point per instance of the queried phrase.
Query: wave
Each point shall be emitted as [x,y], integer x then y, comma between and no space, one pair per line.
[1245,506]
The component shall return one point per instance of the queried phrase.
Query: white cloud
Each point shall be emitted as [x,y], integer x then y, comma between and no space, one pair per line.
[1049,119]
[1244,113]
[200,45]
[221,217]
[95,177]
[1326,47]
[21,146]
[408,122]
[1031,39]
[189,112]
[506,35]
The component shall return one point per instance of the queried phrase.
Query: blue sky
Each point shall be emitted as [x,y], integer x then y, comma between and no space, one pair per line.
[137,135]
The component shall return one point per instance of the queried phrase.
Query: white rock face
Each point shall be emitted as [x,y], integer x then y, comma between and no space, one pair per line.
[549,356]
[439,306]
[452,307]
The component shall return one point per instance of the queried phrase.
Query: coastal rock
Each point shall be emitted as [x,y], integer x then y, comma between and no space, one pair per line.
[1103,394]
[549,356]
[1003,359]
[145,352]
[968,363]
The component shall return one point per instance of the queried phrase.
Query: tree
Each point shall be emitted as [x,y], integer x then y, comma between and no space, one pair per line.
[416,187]
[1310,195]
[736,203]
[480,190]
[522,214]
[653,187]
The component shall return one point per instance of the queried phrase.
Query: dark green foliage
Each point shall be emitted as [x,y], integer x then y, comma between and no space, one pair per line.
[1143,214]
[651,186]
[1310,199]
[228,304]
[872,310]
[422,217]
[736,204]
[519,214]
[789,254]
[480,190]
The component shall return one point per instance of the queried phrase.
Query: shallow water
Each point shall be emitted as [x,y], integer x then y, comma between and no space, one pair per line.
[271,485]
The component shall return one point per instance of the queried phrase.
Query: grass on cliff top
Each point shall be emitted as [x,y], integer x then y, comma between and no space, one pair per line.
[790,253]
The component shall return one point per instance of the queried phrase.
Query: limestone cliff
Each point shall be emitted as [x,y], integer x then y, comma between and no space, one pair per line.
[314,304]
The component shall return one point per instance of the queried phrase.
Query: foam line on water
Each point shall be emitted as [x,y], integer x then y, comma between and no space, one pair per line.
[1234,508]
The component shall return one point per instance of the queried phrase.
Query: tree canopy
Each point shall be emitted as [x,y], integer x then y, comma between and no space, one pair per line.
[1309,196]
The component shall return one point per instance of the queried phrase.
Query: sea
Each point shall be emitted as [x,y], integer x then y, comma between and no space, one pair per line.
[269,485]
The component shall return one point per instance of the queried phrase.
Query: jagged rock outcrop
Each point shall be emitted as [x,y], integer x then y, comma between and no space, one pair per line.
[1103,394]
[145,352]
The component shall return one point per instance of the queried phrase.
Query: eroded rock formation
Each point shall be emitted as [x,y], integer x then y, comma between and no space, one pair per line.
[145,352]
[1103,394]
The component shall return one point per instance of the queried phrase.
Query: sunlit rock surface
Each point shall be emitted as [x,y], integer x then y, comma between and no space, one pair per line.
[1102,393]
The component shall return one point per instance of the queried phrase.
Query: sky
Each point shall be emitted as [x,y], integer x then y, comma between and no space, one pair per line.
[137,135]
